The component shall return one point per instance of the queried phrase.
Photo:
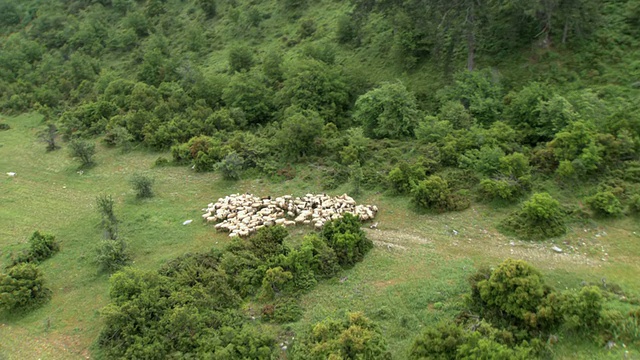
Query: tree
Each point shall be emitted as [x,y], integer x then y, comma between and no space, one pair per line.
[389,111]
[112,255]
[50,136]
[299,133]
[142,185]
[109,221]
[540,217]
[249,92]
[240,59]
[83,151]
[347,240]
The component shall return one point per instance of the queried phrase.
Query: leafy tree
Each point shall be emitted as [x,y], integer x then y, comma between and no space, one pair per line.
[314,85]
[480,94]
[209,7]
[404,177]
[355,337]
[240,59]
[434,193]
[275,281]
[83,151]
[22,286]
[10,15]
[248,91]
[49,136]
[299,133]
[389,111]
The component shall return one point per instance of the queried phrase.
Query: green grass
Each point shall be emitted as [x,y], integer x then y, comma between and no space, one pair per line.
[414,277]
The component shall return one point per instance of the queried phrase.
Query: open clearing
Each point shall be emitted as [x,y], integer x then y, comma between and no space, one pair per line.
[414,277]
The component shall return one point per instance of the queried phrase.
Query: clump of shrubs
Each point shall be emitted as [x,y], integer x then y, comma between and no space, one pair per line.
[347,239]
[230,166]
[354,337]
[41,247]
[540,217]
[142,185]
[634,205]
[435,193]
[22,287]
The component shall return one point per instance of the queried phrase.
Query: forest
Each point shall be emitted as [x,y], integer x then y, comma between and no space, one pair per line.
[500,141]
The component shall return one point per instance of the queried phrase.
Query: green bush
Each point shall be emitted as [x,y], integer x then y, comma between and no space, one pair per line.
[83,151]
[347,239]
[284,311]
[112,255]
[634,204]
[355,337]
[405,177]
[41,247]
[109,221]
[582,310]
[22,286]
[4,127]
[435,193]
[505,189]
[539,218]
[231,166]
[142,185]
[276,282]
[605,203]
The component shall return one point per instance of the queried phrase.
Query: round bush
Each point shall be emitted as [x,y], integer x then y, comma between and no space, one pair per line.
[22,286]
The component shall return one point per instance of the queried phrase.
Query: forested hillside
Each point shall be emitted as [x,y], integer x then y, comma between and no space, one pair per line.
[527,110]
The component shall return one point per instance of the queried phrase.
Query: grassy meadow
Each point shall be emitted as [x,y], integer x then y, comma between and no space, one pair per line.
[414,277]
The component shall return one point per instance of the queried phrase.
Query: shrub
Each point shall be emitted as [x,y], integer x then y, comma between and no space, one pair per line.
[275,282]
[284,311]
[540,217]
[605,203]
[83,151]
[347,240]
[49,136]
[404,177]
[161,162]
[22,286]
[634,205]
[347,29]
[41,247]
[582,310]
[355,337]
[434,193]
[112,255]
[231,166]
[4,127]
[109,220]
[142,185]
[505,189]
[268,242]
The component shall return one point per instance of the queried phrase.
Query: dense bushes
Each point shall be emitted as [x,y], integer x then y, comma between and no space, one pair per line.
[435,193]
[540,217]
[22,286]
[355,337]
[192,304]
[41,247]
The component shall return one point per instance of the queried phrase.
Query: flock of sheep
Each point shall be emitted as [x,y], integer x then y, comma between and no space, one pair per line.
[243,214]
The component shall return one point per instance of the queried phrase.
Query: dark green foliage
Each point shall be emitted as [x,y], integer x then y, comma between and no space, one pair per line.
[434,193]
[209,7]
[9,14]
[539,218]
[83,151]
[231,166]
[582,310]
[22,286]
[405,177]
[268,242]
[347,240]
[249,92]
[142,185]
[299,133]
[479,341]
[276,282]
[240,58]
[41,247]
[355,337]
[346,31]
[4,127]
[389,111]
[307,28]
[112,255]
[324,262]
[634,204]
[479,92]
[605,203]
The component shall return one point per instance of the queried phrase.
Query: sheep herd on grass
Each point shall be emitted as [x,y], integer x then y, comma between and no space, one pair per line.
[243,214]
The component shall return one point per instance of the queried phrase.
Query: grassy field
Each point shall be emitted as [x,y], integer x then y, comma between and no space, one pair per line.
[414,277]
